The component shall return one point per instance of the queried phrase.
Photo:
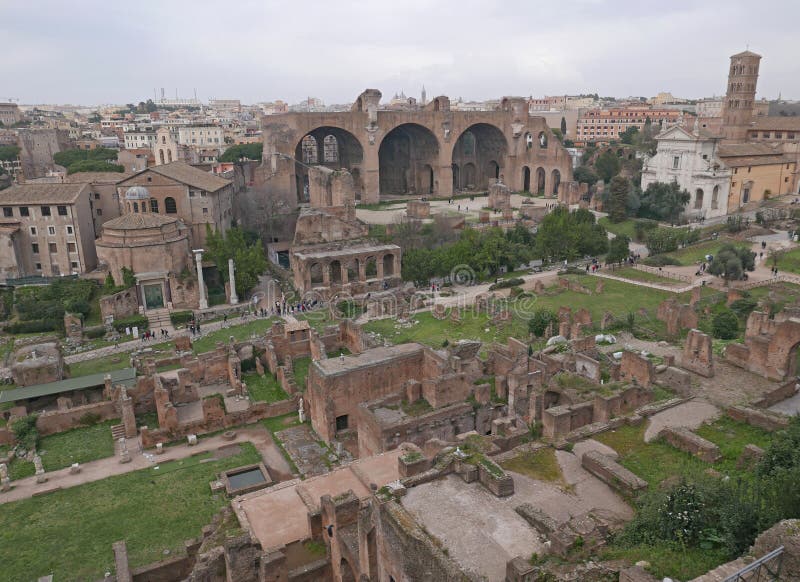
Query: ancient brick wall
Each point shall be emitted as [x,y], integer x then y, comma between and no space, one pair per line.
[635,367]
[61,420]
[685,440]
[612,473]
[119,305]
[698,357]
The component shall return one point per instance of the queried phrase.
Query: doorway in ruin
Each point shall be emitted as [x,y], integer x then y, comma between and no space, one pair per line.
[526,179]
[556,181]
[406,160]
[540,179]
[336,272]
[484,147]
[331,147]
[388,265]
[456,181]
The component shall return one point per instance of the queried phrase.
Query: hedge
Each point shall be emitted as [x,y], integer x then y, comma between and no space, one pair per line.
[139,321]
[506,283]
[181,317]
[94,332]
[35,326]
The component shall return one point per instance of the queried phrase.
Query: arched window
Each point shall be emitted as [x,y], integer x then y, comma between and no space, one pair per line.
[136,207]
[161,156]
[169,156]
[309,150]
[715,198]
[169,205]
[542,139]
[468,143]
[330,149]
[528,140]
[153,205]
[698,201]
[163,139]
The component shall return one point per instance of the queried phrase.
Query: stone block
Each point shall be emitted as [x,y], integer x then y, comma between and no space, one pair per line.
[612,473]
[685,440]
[750,457]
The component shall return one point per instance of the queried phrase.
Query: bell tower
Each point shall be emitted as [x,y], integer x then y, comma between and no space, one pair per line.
[740,96]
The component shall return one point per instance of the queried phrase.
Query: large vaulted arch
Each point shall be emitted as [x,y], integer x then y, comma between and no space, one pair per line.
[331,147]
[408,160]
[485,147]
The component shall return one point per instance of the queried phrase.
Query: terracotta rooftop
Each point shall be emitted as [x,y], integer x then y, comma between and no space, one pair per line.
[97,177]
[42,193]
[775,123]
[748,149]
[134,221]
[187,174]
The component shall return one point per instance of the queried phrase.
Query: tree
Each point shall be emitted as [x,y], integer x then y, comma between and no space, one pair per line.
[618,199]
[249,151]
[9,153]
[93,166]
[663,201]
[731,262]
[563,126]
[629,135]
[607,165]
[128,277]
[585,174]
[644,141]
[568,235]
[247,254]
[558,134]
[725,325]
[618,249]
[541,320]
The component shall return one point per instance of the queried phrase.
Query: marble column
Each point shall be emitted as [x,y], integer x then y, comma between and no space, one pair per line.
[201,287]
[232,283]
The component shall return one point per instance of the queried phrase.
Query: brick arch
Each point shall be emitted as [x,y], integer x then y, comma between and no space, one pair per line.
[408,156]
[349,155]
[485,147]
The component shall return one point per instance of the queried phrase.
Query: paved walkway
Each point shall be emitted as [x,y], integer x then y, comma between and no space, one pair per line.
[102,468]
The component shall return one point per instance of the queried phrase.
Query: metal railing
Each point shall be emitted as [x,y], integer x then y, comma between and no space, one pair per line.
[36,280]
[765,569]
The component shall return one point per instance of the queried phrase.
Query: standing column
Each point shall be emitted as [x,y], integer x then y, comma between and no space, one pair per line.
[232,281]
[201,287]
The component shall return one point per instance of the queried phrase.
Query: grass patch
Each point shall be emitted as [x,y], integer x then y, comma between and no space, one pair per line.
[669,560]
[416,408]
[300,367]
[264,388]
[69,533]
[694,254]
[279,423]
[626,227]
[789,261]
[79,445]
[99,365]
[541,465]
[239,333]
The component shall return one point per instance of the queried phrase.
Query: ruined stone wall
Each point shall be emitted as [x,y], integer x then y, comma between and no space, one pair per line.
[606,407]
[375,437]
[119,305]
[60,420]
[636,368]
[698,357]
[446,389]
[406,551]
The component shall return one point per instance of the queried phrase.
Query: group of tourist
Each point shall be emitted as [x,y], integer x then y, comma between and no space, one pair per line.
[151,335]
[284,308]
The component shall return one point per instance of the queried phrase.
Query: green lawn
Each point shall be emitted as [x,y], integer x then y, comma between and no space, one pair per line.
[79,445]
[541,464]
[239,332]
[300,367]
[264,388]
[98,365]
[789,261]
[69,533]
[695,254]
[637,275]
[626,227]
[657,461]
[618,297]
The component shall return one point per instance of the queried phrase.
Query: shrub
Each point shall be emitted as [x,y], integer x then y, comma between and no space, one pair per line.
[181,317]
[348,309]
[35,326]
[139,321]
[742,307]
[94,332]
[506,283]
[725,325]
[540,321]
[660,261]
[24,429]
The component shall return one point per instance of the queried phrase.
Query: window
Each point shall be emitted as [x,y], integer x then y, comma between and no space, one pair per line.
[45,210]
[205,210]
[51,230]
[52,247]
[149,178]
[35,248]
[74,264]
[778,135]
[8,212]
[23,211]
[70,230]
[97,195]
[38,266]
[72,248]
[136,207]
[192,193]
[341,422]
[62,210]
[676,162]
[99,212]
[765,134]
[33,231]
[169,205]
[202,193]
[705,156]
[749,168]
[153,205]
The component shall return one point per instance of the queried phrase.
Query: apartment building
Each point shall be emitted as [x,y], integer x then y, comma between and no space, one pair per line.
[606,125]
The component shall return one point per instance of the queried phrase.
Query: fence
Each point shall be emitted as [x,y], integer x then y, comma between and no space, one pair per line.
[765,569]
[36,280]
[655,271]
[744,286]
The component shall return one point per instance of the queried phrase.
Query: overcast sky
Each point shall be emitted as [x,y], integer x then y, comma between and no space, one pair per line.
[117,51]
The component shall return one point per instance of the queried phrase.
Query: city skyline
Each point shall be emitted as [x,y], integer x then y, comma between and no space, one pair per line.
[262,52]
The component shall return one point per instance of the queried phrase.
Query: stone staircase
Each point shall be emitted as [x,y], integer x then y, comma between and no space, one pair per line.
[117,432]
[159,318]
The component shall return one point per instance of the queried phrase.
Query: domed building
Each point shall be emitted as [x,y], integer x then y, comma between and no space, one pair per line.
[155,247]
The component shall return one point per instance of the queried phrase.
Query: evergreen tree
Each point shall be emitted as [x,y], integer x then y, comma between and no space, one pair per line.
[618,199]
